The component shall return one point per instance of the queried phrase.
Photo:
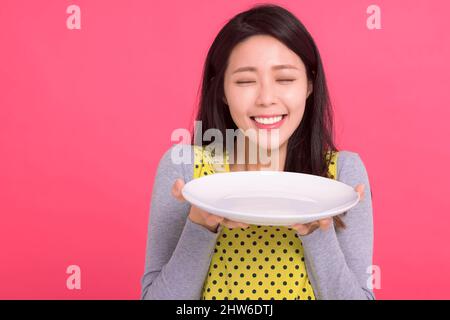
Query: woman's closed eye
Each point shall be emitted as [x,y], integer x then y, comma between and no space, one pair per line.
[279,80]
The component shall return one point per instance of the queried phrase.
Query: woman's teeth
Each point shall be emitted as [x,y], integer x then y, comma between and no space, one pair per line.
[268,120]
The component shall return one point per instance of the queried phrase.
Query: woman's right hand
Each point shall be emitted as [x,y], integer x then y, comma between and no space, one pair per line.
[202,217]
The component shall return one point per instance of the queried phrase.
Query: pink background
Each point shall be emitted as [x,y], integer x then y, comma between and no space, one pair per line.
[86,114]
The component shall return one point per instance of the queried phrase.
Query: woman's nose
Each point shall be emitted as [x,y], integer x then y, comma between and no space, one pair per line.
[266,95]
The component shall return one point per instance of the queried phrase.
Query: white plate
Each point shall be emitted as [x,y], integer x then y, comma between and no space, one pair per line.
[274,198]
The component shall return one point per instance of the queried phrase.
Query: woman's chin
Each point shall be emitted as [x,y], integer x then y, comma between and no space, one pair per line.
[267,145]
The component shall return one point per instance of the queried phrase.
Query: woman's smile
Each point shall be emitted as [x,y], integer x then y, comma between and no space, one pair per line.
[268,121]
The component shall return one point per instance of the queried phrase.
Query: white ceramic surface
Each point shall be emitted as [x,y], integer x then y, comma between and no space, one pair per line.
[274,198]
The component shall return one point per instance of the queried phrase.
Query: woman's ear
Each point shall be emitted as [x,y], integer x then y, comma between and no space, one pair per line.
[310,88]
[224,100]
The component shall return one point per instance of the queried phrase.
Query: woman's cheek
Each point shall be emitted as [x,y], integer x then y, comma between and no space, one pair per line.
[239,116]
[240,112]
[295,111]
[297,115]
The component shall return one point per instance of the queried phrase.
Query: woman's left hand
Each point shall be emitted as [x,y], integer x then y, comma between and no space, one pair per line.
[324,224]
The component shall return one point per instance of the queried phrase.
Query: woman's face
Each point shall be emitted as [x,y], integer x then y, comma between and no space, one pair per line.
[266,87]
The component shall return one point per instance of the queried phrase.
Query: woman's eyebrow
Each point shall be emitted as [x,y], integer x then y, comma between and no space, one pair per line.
[277,67]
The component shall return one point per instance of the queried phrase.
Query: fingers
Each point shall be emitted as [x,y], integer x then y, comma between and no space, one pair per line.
[302,229]
[234,224]
[307,228]
[324,224]
[313,226]
[212,219]
[360,189]
[176,189]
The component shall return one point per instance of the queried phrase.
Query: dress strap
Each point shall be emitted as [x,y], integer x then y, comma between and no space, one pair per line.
[332,167]
[205,163]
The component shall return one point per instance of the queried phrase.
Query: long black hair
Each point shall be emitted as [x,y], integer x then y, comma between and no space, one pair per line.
[308,146]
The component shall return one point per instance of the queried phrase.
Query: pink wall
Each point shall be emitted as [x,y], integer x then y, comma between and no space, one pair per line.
[85,115]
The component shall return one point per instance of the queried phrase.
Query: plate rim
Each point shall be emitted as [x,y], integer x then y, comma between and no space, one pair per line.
[331,212]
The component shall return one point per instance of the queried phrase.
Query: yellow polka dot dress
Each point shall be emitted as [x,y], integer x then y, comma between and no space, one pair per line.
[257,263]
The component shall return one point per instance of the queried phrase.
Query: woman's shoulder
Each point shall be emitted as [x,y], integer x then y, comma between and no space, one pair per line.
[180,158]
[350,166]
[185,156]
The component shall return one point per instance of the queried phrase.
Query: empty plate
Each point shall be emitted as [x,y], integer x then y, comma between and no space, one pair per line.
[275,198]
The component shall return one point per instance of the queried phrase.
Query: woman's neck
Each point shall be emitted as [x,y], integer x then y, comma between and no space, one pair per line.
[273,160]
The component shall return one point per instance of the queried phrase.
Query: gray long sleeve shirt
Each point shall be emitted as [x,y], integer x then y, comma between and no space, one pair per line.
[179,251]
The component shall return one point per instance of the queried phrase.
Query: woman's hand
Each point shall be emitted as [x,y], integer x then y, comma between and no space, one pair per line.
[202,217]
[324,224]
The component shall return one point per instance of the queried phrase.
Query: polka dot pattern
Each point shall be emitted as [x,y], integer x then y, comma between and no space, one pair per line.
[257,263]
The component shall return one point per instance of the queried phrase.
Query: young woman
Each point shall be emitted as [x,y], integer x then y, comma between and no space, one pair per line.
[262,70]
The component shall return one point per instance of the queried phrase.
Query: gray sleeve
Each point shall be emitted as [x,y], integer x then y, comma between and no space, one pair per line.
[337,261]
[179,251]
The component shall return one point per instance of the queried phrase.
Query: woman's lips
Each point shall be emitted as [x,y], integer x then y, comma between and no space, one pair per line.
[271,122]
